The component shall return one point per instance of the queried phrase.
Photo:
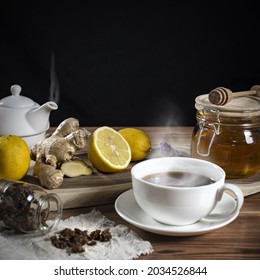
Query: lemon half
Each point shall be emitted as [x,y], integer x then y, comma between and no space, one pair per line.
[108,150]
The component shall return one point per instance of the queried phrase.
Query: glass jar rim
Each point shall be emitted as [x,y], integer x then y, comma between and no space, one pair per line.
[241,107]
[51,200]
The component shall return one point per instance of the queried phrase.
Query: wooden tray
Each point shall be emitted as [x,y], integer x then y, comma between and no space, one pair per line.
[95,189]
[102,188]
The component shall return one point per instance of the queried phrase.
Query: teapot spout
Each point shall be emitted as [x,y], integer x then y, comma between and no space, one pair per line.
[39,117]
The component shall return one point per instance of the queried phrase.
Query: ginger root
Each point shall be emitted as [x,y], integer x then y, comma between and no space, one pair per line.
[60,146]
[75,167]
[66,127]
[49,176]
[51,152]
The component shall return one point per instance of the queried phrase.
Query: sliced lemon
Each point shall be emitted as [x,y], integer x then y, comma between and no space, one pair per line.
[108,150]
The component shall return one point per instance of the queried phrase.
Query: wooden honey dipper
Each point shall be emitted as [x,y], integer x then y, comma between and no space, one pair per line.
[221,96]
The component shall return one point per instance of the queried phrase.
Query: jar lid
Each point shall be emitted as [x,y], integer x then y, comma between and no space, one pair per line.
[239,107]
[16,100]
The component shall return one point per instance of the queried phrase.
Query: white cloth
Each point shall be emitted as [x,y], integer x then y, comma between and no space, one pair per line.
[124,244]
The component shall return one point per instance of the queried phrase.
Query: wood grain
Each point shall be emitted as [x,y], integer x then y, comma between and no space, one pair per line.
[240,240]
[100,188]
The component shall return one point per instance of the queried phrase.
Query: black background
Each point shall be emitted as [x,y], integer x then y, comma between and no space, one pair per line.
[128,63]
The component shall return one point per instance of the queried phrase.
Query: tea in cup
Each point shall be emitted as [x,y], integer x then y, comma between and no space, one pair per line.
[181,190]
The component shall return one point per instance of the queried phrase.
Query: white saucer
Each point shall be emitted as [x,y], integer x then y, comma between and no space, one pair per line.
[127,207]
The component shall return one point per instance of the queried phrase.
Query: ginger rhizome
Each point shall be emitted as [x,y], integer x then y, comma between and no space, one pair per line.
[49,176]
[75,168]
[51,152]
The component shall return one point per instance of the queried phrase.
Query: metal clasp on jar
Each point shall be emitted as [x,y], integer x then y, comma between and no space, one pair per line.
[205,125]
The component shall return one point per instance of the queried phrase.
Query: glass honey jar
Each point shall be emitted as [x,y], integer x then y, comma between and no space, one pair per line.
[228,135]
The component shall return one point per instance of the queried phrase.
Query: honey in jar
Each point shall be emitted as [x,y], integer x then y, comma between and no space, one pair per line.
[228,135]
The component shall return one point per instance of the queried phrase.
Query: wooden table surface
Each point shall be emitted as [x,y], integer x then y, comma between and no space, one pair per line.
[238,240]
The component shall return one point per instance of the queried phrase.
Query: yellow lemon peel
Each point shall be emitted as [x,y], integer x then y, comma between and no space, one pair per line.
[14,157]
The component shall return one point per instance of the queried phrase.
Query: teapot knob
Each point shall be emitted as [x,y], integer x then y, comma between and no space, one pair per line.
[16,90]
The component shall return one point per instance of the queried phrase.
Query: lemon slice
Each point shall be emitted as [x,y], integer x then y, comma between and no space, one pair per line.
[108,150]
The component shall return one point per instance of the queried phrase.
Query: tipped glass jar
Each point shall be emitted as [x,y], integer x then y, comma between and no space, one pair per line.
[28,208]
[228,135]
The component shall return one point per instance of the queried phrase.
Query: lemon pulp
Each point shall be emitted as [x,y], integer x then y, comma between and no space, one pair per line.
[108,150]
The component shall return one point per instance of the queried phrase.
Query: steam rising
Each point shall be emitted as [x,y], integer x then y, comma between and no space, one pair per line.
[166,112]
[54,86]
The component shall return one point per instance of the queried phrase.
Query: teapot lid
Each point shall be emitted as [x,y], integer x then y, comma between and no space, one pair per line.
[16,100]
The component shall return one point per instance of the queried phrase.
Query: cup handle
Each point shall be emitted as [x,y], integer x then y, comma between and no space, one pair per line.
[239,202]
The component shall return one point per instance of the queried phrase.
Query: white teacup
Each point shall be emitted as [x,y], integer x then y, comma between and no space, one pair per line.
[178,204]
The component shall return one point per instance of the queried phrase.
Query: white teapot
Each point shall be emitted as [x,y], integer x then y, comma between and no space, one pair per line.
[21,116]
